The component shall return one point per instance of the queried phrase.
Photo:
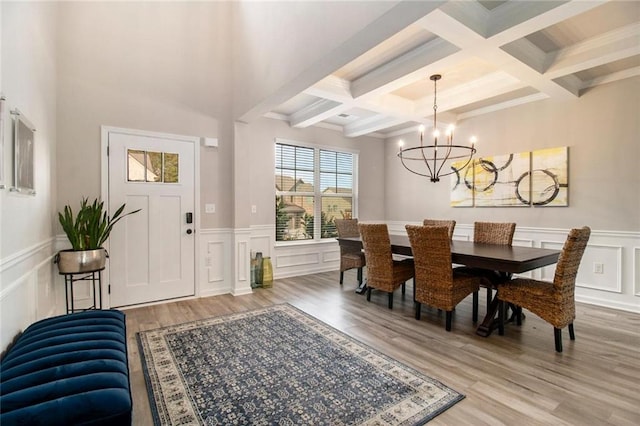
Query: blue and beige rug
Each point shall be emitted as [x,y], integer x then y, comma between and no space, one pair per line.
[278,365]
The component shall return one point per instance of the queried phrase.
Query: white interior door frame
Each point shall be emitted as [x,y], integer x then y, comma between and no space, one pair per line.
[104,194]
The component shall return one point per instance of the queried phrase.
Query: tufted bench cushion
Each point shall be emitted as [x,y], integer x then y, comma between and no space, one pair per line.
[68,370]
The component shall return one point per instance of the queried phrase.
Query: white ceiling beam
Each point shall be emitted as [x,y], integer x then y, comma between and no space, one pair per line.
[493,84]
[529,53]
[502,105]
[514,20]
[489,50]
[371,124]
[620,75]
[337,90]
[403,70]
[611,46]
[333,88]
[401,15]
[316,112]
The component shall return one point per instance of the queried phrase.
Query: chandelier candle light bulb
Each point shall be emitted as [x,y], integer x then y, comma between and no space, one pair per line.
[425,160]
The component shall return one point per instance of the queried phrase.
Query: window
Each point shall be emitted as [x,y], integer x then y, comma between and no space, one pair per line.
[148,166]
[312,182]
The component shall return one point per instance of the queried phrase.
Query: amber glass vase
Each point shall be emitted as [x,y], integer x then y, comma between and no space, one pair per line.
[267,272]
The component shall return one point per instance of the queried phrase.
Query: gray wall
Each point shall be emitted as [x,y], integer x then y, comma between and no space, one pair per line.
[260,137]
[281,43]
[602,131]
[161,67]
[28,80]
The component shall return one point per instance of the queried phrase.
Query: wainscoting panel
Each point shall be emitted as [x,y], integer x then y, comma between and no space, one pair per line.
[215,263]
[289,260]
[297,258]
[609,273]
[31,289]
[615,255]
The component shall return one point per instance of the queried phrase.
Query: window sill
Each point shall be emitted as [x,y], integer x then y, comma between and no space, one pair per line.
[305,242]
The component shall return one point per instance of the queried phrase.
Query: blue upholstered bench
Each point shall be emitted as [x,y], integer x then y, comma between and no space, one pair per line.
[68,370]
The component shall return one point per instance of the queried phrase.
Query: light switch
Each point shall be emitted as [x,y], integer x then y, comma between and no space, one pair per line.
[209,208]
[254,209]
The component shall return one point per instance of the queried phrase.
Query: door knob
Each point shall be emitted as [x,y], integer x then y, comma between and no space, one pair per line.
[189,231]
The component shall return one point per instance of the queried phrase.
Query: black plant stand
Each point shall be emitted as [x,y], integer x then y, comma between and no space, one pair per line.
[95,277]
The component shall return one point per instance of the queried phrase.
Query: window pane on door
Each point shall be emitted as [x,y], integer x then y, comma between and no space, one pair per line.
[154,166]
[147,166]
[170,168]
[135,166]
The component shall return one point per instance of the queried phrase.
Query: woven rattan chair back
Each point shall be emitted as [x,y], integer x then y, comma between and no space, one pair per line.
[554,303]
[347,228]
[450,224]
[377,251]
[431,249]
[350,258]
[494,233]
[564,281]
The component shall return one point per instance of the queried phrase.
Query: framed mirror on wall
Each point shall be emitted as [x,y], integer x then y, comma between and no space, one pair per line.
[23,154]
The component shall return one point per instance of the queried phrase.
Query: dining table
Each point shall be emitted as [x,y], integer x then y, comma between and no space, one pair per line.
[505,260]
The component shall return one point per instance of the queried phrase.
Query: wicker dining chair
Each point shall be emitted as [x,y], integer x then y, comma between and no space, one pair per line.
[450,224]
[383,272]
[437,284]
[500,233]
[554,301]
[350,258]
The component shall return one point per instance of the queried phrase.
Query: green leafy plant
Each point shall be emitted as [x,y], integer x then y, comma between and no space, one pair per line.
[90,228]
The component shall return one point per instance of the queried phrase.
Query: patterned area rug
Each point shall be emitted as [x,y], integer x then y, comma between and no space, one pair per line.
[278,365]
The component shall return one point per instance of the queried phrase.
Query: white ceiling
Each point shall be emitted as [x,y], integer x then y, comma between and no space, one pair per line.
[491,55]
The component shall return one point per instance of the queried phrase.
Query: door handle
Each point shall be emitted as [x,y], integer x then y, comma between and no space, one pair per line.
[189,231]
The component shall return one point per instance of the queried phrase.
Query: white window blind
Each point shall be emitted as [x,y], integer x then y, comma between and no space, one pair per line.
[312,182]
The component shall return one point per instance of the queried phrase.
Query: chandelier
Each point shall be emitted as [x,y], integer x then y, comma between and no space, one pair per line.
[429,160]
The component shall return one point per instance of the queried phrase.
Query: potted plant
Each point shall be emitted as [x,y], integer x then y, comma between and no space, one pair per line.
[86,231]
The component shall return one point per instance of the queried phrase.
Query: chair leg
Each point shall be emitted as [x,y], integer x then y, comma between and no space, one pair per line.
[341,276]
[475,306]
[368,294]
[557,332]
[418,310]
[359,276]
[404,288]
[489,296]
[501,318]
[390,300]
[448,323]
[572,334]
[518,315]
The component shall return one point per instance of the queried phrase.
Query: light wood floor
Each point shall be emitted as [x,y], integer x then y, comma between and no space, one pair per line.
[513,379]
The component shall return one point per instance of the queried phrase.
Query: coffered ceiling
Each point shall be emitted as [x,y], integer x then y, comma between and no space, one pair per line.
[491,55]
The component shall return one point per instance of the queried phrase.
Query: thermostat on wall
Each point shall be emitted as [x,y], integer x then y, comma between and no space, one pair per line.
[210,142]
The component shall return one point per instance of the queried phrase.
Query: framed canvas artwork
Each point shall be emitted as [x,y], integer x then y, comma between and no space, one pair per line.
[23,154]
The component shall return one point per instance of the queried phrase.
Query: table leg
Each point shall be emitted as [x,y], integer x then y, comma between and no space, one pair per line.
[489,323]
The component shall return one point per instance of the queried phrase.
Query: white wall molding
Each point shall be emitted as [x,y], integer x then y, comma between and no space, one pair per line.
[241,262]
[295,258]
[215,265]
[25,254]
[31,289]
[618,286]
[226,250]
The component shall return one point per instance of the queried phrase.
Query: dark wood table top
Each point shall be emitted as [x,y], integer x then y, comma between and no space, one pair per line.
[510,259]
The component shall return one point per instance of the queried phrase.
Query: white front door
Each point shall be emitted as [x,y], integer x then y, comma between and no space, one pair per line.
[152,252]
